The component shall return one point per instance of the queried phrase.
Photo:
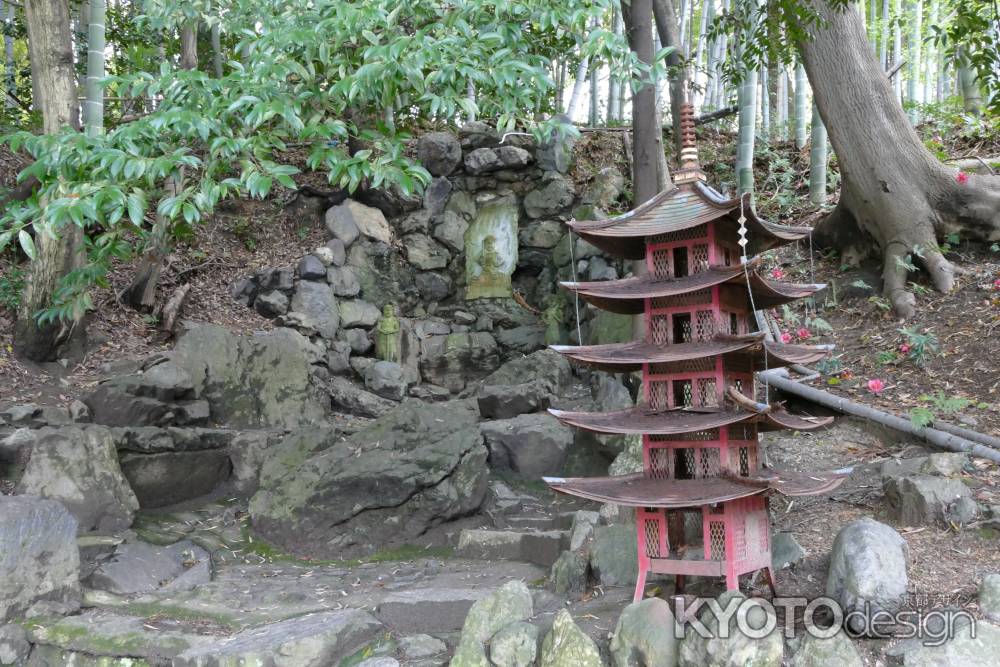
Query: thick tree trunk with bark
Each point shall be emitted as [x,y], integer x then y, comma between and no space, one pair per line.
[50,47]
[646,136]
[189,46]
[669,32]
[894,190]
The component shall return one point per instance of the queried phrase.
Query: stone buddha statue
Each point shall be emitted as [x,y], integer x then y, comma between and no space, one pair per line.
[387,335]
[492,281]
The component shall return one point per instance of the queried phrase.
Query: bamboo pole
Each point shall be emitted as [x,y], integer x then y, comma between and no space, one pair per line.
[779,378]
[817,160]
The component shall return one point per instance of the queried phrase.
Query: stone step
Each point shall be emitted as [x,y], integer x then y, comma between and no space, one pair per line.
[428,610]
[313,640]
[541,547]
[540,521]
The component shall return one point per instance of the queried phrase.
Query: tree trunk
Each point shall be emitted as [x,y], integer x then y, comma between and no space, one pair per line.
[217,50]
[667,29]
[50,47]
[894,189]
[972,96]
[9,63]
[614,84]
[782,103]
[765,106]
[913,84]
[800,106]
[897,46]
[883,48]
[638,15]
[141,292]
[817,160]
[578,85]
[595,107]
[700,55]
[189,45]
[93,109]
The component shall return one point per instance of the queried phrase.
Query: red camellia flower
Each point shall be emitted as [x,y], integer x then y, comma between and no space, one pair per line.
[876,386]
[996,284]
[962,177]
[777,274]
[904,349]
[803,333]
[786,337]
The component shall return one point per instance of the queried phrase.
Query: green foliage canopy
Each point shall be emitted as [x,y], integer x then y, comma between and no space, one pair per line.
[320,74]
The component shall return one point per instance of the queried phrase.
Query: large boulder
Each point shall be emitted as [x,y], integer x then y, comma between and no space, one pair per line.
[352,219]
[531,445]
[386,379]
[614,560]
[867,570]
[349,397]
[414,468]
[973,645]
[314,309]
[79,468]
[645,636]
[548,371]
[733,648]
[439,152]
[920,500]
[39,559]
[160,394]
[451,360]
[508,604]
[567,645]
[989,596]
[261,380]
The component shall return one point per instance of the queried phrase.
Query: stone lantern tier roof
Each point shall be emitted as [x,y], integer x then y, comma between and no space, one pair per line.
[678,209]
[639,490]
[628,296]
[627,357]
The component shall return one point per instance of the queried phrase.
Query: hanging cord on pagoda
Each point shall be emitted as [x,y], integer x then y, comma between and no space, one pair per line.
[576,294]
[746,273]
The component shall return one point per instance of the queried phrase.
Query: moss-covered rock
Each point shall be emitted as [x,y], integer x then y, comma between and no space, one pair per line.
[567,645]
[412,469]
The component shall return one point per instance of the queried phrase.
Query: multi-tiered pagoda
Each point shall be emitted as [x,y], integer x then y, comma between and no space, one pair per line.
[701,500]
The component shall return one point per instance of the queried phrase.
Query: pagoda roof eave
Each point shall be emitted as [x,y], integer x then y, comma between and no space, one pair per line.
[641,420]
[637,490]
[677,209]
[631,356]
[627,296]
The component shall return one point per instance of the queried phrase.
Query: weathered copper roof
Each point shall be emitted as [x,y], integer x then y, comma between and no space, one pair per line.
[689,205]
[642,420]
[637,490]
[627,295]
[626,357]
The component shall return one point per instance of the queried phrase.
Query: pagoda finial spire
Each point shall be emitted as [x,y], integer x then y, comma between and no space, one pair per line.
[690,169]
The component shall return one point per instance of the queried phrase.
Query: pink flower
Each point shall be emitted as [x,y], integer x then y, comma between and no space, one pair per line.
[904,348]
[803,333]
[777,274]
[996,284]
[876,386]
[786,337]
[962,177]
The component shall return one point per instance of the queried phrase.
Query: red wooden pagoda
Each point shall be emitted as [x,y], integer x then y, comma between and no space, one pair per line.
[702,500]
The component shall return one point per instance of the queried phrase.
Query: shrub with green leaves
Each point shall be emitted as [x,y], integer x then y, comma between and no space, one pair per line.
[323,74]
